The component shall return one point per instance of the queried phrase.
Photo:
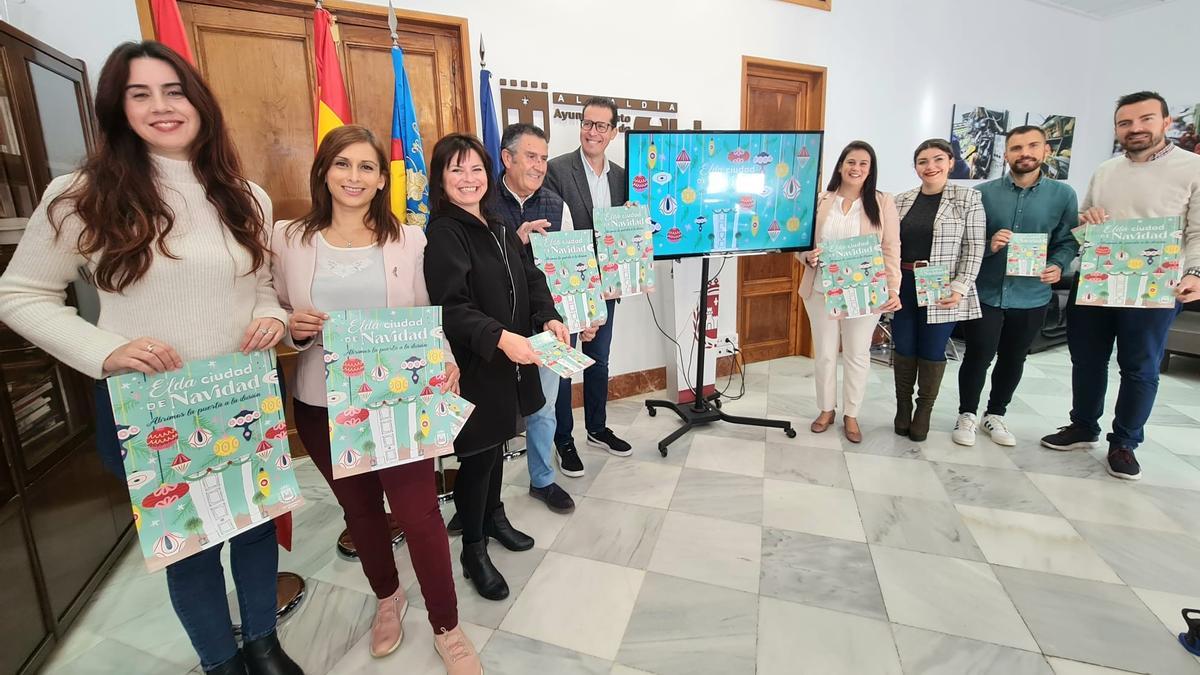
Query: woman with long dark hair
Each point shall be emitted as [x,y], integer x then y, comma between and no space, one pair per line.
[350,252]
[174,238]
[851,206]
[493,298]
[940,224]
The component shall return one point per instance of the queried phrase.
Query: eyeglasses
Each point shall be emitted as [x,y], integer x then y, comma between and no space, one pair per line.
[602,127]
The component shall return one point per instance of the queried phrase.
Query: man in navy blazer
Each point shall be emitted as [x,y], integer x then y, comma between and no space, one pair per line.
[586,179]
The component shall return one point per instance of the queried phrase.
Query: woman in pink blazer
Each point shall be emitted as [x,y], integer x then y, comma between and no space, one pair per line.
[850,207]
[350,252]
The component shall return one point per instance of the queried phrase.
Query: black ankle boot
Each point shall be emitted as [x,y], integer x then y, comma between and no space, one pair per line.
[478,568]
[265,656]
[497,527]
[234,666]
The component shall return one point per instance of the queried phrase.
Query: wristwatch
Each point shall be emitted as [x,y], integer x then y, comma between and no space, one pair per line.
[1192,271]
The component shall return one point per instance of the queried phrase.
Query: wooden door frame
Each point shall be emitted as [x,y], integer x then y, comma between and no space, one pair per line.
[355,12]
[820,75]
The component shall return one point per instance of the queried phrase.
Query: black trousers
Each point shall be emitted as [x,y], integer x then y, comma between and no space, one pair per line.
[1002,334]
[477,490]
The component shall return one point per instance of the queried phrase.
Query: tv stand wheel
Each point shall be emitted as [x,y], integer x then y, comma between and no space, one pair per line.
[717,402]
[651,411]
[662,449]
[791,433]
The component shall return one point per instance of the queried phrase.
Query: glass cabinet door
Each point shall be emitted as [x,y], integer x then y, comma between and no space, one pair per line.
[42,395]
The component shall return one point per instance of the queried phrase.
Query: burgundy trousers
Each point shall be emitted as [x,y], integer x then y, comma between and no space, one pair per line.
[412,494]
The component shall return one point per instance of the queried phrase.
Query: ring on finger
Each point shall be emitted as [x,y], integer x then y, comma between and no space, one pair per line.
[150,348]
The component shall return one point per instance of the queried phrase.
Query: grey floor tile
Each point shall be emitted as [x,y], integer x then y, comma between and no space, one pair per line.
[993,488]
[917,525]
[821,571]
[1094,622]
[720,495]
[819,466]
[509,654]
[612,532]
[682,627]
[925,652]
[1160,561]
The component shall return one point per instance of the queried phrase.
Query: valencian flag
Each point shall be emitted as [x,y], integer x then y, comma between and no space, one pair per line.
[410,180]
[331,109]
[168,28]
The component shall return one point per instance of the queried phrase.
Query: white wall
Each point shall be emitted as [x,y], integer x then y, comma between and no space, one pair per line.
[84,29]
[1152,49]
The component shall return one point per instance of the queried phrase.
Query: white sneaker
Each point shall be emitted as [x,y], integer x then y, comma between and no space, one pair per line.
[999,430]
[964,429]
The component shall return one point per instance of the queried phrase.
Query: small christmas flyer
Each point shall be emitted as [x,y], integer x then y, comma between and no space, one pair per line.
[384,369]
[1027,254]
[558,356]
[932,282]
[569,263]
[852,276]
[624,250]
[206,453]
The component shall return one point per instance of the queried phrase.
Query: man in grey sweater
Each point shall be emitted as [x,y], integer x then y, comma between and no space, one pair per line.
[1153,179]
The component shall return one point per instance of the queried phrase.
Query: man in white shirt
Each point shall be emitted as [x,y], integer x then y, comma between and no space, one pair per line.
[1153,179]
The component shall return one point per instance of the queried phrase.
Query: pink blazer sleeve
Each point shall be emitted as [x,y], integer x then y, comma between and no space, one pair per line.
[890,218]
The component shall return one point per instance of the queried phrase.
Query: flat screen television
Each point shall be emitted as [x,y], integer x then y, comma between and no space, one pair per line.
[725,192]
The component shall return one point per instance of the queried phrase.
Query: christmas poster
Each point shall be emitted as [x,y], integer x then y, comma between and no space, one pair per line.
[852,276]
[1027,254]
[1130,263]
[206,453]
[569,263]
[932,284]
[624,250]
[384,369]
[558,356]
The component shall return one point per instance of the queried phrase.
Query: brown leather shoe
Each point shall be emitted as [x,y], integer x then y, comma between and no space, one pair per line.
[853,435]
[823,422]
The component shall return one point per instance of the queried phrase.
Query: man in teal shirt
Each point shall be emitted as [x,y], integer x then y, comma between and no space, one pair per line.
[1022,202]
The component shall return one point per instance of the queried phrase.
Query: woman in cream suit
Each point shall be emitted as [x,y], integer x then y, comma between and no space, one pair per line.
[850,207]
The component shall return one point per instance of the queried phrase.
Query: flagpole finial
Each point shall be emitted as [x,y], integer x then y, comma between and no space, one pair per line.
[482,51]
[392,24]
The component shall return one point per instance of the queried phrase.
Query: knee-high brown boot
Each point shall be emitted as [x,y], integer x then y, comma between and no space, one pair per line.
[904,369]
[929,381]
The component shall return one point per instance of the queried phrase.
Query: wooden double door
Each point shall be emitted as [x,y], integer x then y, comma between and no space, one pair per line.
[776,96]
[258,59]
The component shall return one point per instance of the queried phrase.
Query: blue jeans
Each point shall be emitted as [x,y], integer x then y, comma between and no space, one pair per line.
[197,583]
[539,433]
[912,335]
[595,386]
[1140,336]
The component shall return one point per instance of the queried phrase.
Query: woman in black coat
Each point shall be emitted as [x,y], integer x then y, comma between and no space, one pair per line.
[493,298]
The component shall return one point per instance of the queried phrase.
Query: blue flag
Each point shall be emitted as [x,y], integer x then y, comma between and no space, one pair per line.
[491,132]
[410,180]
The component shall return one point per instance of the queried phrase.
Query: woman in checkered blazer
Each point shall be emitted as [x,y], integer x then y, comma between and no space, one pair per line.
[940,225]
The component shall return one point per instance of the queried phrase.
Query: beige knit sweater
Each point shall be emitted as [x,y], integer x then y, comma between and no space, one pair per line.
[199,304]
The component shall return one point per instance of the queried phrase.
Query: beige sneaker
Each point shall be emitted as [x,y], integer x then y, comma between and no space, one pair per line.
[387,630]
[457,652]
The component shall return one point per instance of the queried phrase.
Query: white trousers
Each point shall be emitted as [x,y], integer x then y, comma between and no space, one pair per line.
[854,336]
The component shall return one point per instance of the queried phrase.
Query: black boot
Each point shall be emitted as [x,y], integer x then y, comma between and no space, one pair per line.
[904,369]
[478,568]
[234,666]
[265,656]
[929,382]
[496,526]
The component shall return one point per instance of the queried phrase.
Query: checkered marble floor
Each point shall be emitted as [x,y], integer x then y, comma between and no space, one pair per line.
[744,551]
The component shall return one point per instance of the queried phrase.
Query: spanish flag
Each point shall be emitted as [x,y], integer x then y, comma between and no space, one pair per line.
[168,28]
[331,109]
[410,181]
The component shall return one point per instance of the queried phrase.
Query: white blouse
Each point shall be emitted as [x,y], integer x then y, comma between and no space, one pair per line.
[839,225]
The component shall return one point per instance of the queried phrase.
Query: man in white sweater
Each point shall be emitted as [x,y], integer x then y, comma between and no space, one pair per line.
[1153,179]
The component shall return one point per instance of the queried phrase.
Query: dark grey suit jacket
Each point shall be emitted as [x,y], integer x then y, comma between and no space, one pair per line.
[565,175]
